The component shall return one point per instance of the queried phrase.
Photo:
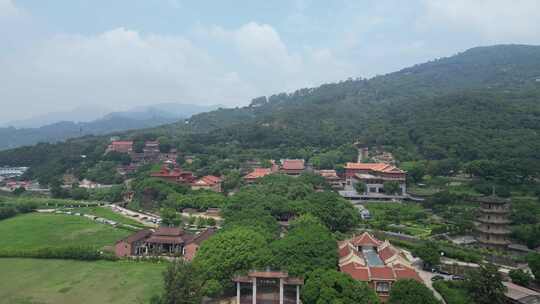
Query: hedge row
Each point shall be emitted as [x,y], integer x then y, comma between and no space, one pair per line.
[84,253]
[10,210]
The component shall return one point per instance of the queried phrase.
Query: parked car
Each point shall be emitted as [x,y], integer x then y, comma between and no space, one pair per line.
[457,278]
[437,278]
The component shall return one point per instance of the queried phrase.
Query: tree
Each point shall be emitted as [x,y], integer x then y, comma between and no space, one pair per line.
[308,245]
[391,187]
[485,285]
[520,277]
[330,286]
[360,187]
[18,191]
[429,253]
[79,193]
[534,264]
[232,180]
[170,218]
[411,292]
[335,212]
[183,284]
[228,252]
[416,172]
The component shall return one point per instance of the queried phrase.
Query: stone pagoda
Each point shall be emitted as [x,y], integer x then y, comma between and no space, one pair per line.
[492,222]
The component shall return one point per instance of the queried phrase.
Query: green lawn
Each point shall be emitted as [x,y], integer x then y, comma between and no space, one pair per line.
[106,212]
[36,230]
[33,281]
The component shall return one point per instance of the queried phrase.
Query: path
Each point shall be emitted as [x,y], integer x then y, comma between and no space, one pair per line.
[426,277]
[151,220]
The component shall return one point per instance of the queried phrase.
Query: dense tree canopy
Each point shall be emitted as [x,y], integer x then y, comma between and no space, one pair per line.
[485,285]
[330,286]
[411,292]
[307,246]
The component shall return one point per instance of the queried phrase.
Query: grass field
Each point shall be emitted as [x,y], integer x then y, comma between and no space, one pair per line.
[37,230]
[33,281]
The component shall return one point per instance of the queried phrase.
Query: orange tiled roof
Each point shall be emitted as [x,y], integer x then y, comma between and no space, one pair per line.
[293,164]
[328,173]
[356,271]
[365,239]
[382,273]
[208,180]
[258,172]
[404,272]
[386,253]
[379,167]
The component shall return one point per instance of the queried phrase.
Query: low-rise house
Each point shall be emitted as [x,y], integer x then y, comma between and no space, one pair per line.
[292,166]
[375,262]
[163,241]
[374,176]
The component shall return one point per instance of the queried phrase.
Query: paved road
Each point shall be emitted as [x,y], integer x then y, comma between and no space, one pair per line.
[426,277]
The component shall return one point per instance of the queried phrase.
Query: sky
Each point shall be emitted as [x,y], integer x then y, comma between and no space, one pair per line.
[59,55]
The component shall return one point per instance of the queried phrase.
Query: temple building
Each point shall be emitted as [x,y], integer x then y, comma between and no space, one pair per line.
[175,175]
[267,287]
[375,262]
[374,176]
[208,182]
[164,241]
[292,167]
[257,173]
[120,146]
[331,177]
[492,223]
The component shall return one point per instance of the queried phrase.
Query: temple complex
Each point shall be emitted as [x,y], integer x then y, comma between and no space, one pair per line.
[375,262]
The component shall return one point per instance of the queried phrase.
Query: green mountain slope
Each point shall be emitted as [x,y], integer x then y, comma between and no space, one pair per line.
[482,104]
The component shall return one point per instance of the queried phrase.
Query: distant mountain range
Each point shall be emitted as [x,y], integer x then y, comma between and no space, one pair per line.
[22,133]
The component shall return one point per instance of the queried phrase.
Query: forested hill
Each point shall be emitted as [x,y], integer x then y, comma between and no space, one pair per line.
[480,105]
[495,68]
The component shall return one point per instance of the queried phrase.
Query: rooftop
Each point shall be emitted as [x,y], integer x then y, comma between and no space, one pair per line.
[378,167]
[292,164]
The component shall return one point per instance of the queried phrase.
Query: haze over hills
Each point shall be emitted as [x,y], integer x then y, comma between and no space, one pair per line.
[482,104]
[78,114]
[81,123]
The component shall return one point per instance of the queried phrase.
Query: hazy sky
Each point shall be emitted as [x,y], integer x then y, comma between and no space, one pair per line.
[61,54]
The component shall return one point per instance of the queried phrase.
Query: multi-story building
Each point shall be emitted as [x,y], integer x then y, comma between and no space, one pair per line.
[374,176]
[492,223]
[121,146]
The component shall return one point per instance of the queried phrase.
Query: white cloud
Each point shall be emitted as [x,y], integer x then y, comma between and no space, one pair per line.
[8,9]
[119,68]
[267,60]
[495,20]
